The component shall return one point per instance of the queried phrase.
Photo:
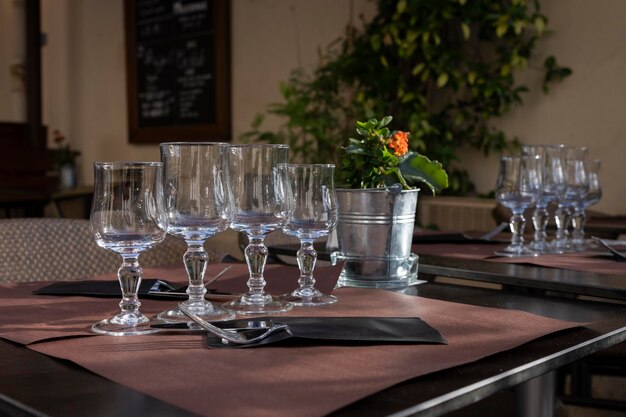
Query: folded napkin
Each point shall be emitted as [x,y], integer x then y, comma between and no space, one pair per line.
[110,288]
[338,331]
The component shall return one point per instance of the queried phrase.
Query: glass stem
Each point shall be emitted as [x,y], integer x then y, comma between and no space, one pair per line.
[196,260]
[129,276]
[562,218]
[517,229]
[540,223]
[578,221]
[256,256]
[307,257]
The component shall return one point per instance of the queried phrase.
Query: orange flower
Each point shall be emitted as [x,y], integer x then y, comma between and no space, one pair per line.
[58,137]
[399,142]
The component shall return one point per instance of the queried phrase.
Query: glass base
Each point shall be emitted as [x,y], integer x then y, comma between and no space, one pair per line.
[207,311]
[308,297]
[270,305]
[590,244]
[512,252]
[540,246]
[116,327]
[376,272]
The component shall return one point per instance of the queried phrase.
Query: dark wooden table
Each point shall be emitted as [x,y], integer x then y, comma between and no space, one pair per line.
[556,280]
[32,384]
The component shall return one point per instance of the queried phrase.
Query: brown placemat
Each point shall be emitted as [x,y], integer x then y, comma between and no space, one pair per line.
[267,381]
[302,381]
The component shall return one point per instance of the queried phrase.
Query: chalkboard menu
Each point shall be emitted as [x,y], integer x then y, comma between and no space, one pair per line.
[177,70]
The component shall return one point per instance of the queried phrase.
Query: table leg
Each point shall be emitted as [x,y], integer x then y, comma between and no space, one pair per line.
[535,398]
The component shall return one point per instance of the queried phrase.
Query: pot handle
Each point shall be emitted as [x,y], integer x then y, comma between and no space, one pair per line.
[336,257]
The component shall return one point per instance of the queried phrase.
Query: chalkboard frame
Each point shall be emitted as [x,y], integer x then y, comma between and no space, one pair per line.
[220,128]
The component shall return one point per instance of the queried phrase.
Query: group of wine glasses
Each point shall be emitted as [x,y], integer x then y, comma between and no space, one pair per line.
[543,175]
[195,192]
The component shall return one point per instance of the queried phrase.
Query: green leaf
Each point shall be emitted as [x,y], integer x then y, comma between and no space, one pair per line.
[375,42]
[401,6]
[466,31]
[417,169]
[471,77]
[385,121]
[355,149]
[258,120]
[384,62]
[418,68]
[540,24]
[442,80]
[501,29]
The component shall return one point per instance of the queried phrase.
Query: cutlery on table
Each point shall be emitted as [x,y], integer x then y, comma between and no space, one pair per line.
[252,324]
[619,256]
[496,231]
[216,276]
[240,338]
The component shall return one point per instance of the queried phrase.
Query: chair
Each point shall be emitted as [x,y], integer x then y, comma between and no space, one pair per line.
[49,249]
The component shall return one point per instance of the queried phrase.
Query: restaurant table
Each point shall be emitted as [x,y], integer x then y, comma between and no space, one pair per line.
[32,384]
[586,273]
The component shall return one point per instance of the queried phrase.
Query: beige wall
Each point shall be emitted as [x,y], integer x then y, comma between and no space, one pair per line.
[84,72]
[84,76]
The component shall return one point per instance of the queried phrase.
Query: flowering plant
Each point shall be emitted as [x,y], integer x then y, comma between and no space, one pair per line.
[63,155]
[380,158]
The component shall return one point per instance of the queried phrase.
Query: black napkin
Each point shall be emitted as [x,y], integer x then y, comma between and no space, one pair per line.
[104,288]
[338,331]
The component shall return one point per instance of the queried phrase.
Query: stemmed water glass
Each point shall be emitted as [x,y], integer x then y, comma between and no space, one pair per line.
[197,202]
[261,204]
[550,170]
[518,187]
[314,215]
[576,186]
[593,195]
[127,218]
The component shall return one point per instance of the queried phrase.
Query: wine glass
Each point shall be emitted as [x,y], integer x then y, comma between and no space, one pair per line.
[540,214]
[576,186]
[593,195]
[261,204]
[551,173]
[197,203]
[518,187]
[127,218]
[314,216]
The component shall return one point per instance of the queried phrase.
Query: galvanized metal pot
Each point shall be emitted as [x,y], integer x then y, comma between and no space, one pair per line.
[375,232]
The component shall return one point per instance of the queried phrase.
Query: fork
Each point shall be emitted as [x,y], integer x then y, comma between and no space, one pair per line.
[240,338]
[619,256]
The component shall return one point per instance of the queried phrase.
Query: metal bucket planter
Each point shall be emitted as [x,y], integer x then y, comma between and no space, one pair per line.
[374,233]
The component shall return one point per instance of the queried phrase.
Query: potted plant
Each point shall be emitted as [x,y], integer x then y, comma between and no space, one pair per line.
[64,161]
[377,196]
